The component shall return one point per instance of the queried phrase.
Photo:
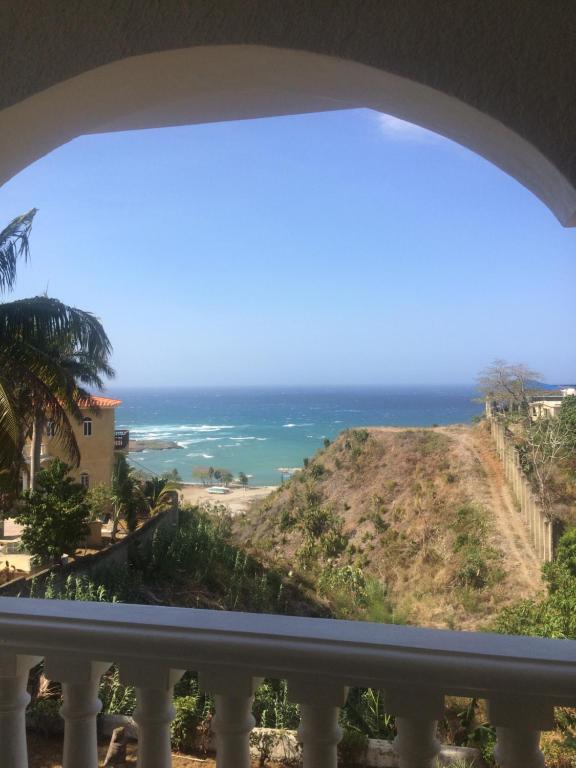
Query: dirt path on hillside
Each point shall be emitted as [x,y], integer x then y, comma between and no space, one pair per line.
[487,483]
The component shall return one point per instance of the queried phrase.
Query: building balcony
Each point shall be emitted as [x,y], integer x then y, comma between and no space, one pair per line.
[121,439]
[521,678]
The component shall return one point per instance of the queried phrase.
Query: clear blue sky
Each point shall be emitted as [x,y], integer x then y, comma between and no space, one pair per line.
[336,248]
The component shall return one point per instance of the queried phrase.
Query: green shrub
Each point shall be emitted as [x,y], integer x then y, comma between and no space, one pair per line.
[272,708]
[364,713]
[474,570]
[352,747]
[317,470]
[185,724]
[116,698]
[566,551]
[54,514]
[287,520]
[44,716]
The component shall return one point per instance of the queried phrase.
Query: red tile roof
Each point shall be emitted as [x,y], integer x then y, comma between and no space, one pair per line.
[96,401]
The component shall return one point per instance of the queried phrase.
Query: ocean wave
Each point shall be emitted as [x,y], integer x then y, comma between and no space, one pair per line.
[166,431]
[202,455]
[297,425]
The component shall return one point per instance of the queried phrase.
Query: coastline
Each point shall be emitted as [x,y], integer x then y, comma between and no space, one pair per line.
[237,500]
[259,431]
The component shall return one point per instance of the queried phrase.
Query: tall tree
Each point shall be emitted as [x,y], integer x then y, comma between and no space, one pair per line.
[127,496]
[510,386]
[81,369]
[32,377]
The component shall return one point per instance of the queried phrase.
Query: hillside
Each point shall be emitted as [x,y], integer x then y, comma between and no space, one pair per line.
[410,524]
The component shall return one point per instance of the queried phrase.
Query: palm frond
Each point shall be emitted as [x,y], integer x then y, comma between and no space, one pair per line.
[44,386]
[44,321]
[14,243]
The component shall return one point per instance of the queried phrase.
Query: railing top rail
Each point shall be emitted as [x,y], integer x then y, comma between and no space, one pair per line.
[355,653]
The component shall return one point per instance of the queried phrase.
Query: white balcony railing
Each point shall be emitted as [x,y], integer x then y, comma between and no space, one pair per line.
[522,678]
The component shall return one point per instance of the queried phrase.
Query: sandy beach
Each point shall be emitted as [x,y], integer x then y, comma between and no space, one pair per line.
[237,500]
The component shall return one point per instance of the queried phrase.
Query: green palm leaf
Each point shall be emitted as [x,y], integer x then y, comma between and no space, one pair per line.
[49,353]
[14,243]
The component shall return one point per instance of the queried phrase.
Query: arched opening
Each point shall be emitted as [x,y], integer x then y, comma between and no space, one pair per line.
[217,83]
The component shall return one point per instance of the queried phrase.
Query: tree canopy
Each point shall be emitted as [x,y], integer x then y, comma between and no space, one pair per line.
[509,385]
[54,515]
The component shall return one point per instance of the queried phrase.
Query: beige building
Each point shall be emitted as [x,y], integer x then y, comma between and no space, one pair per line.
[549,405]
[97,439]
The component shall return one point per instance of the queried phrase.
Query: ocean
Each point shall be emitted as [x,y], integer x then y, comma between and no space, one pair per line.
[259,430]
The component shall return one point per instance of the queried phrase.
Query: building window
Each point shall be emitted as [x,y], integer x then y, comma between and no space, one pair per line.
[87,427]
[50,429]
[84,480]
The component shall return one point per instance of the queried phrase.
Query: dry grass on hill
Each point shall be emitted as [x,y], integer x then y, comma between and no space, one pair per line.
[411,509]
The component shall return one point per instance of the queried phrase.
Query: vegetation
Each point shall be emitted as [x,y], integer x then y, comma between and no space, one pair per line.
[509,386]
[49,352]
[383,526]
[54,514]
[210,475]
[555,614]
[547,446]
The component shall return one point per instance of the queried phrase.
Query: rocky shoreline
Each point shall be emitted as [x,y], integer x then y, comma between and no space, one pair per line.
[137,446]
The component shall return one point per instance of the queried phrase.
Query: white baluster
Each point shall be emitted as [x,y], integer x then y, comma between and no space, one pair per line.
[154,710]
[80,678]
[417,712]
[319,732]
[518,722]
[14,699]
[233,721]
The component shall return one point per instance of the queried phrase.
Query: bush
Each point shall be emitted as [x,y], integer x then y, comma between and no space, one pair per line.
[317,471]
[364,713]
[116,698]
[566,551]
[54,514]
[44,716]
[184,728]
[272,708]
[352,747]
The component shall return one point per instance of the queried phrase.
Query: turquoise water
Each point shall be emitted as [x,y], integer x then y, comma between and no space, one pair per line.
[258,430]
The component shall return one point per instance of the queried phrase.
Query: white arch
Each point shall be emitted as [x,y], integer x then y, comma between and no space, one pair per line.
[216,83]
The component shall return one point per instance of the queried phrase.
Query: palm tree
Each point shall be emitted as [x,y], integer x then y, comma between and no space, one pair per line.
[127,496]
[157,493]
[32,376]
[81,370]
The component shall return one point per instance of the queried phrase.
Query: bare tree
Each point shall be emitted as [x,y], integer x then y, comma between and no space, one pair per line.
[546,442]
[509,386]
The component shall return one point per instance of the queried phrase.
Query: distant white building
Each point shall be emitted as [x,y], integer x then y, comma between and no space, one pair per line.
[548,406]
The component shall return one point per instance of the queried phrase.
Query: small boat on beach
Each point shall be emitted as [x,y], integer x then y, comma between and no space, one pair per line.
[218,489]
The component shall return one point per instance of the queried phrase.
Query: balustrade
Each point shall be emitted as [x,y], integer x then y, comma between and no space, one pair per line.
[521,678]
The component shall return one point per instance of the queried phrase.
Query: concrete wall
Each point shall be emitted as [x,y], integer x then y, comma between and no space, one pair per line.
[538,524]
[495,76]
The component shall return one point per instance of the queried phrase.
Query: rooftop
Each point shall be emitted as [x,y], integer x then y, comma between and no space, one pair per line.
[96,401]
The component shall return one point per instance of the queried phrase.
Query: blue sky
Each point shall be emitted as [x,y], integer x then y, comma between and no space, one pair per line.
[336,248]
